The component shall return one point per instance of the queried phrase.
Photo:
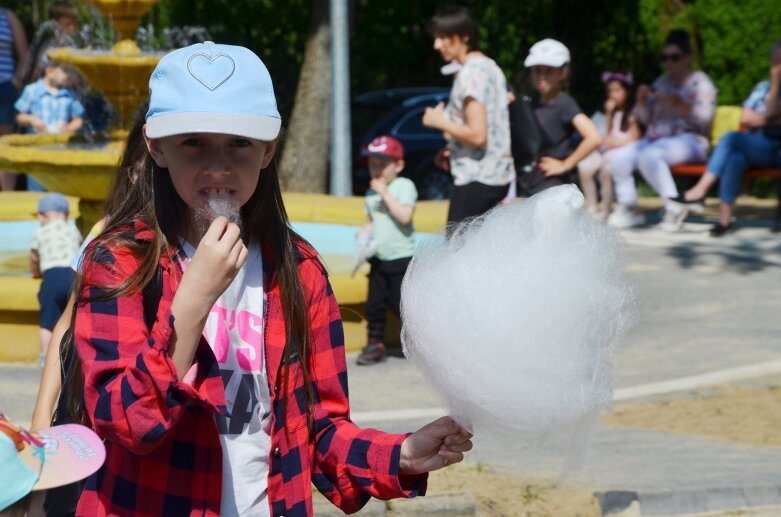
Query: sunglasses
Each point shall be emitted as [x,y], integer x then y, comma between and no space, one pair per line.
[671,57]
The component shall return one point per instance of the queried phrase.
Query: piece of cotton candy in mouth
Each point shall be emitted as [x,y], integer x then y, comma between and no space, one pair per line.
[223,204]
[218,204]
[514,318]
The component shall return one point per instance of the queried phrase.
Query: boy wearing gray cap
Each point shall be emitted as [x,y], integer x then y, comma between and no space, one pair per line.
[53,247]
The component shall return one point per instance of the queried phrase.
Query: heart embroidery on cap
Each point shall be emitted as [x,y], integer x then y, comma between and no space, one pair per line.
[211,71]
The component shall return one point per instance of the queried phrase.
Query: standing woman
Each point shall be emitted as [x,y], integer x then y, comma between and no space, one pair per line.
[676,110]
[475,122]
[13,52]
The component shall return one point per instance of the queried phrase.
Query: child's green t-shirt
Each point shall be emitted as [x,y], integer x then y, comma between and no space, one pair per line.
[395,239]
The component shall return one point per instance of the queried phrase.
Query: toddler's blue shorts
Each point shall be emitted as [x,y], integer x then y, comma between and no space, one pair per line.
[53,295]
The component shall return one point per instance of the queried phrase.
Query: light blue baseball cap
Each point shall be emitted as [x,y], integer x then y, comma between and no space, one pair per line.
[212,88]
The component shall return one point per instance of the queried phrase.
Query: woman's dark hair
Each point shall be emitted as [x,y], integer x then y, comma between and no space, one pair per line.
[681,39]
[152,200]
[135,159]
[454,20]
[628,105]
[132,163]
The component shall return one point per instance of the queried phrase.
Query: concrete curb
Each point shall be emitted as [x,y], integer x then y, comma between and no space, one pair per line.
[450,505]
[687,501]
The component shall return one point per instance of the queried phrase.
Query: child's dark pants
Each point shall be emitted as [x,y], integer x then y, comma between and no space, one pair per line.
[384,292]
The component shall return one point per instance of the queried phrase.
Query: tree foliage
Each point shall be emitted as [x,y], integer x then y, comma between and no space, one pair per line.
[601,34]
[391,48]
[736,39]
[277,31]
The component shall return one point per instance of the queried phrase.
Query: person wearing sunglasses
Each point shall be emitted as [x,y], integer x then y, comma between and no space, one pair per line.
[758,145]
[676,111]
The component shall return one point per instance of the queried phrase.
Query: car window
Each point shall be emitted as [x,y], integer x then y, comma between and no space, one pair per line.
[411,125]
[364,117]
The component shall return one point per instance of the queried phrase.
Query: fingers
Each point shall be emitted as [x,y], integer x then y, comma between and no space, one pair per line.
[238,254]
[448,431]
[455,441]
[224,239]
[216,229]
[450,458]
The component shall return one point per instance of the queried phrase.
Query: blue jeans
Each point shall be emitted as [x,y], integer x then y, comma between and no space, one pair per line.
[736,153]
[8,95]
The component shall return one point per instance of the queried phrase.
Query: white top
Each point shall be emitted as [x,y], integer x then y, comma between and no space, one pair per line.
[481,79]
[234,330]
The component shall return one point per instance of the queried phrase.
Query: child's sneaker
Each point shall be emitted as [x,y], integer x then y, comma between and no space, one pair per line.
[372,353]
[673,218]
[625,217]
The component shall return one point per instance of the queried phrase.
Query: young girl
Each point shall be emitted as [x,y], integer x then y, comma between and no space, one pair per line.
[559,116]
[621,129]
[236,401]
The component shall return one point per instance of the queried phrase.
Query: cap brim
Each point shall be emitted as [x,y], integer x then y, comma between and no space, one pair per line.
[541,60]
[259,127]
[71,452]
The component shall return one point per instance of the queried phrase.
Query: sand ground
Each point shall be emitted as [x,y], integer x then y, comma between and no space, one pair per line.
[740,414]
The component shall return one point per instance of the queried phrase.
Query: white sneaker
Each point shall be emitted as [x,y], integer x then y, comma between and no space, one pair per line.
[625,217]
[673,218]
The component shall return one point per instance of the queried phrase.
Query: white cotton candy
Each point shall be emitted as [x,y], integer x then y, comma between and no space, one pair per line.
[218,204]
[514,318]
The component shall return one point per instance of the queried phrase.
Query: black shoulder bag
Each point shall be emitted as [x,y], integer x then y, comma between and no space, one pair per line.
[527,139]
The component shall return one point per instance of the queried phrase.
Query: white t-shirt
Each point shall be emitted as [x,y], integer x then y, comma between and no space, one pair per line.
[234,330]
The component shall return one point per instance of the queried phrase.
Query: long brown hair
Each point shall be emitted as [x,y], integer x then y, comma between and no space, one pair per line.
[153,201]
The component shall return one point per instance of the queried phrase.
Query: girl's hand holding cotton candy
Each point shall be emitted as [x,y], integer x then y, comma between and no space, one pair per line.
[433,446]
[217,260]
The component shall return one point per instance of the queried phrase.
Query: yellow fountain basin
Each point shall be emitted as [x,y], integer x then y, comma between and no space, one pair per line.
[84,173]
[21,206]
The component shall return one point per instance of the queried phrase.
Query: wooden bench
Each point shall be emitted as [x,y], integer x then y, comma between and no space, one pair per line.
[727,118]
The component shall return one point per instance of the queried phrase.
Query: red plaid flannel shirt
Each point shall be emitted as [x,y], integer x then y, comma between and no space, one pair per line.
[163,454]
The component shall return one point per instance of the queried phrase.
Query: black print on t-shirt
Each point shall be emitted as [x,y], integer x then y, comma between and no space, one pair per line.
[240,388]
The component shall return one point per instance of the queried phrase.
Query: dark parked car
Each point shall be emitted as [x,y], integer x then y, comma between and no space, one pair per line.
[399,113]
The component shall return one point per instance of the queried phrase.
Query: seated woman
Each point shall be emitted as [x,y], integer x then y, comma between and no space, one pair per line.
[677,111]
[736,152]
[620,129]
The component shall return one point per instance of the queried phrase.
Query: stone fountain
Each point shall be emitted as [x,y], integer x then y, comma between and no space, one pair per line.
[59,162]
